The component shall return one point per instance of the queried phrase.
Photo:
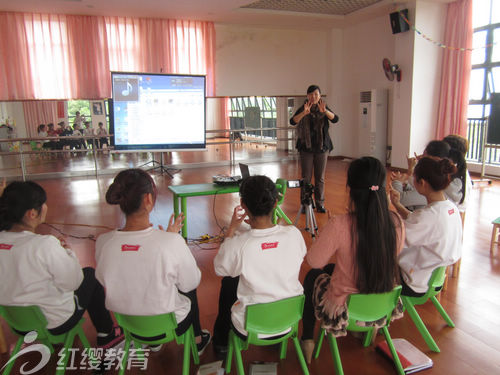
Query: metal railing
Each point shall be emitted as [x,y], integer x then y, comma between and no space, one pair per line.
[476,129]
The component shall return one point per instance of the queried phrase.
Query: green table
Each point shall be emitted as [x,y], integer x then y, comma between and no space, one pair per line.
[181,192]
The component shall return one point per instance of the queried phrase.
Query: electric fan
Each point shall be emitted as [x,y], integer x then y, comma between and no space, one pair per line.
[391,70]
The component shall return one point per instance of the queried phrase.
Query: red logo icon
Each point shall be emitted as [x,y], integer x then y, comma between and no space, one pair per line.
[130,247]
[4,246]
[451,211]
[269,245]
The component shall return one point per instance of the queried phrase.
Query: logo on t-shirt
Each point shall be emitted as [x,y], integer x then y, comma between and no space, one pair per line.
[130,247]
[451,211]
[269,245]
[4,246]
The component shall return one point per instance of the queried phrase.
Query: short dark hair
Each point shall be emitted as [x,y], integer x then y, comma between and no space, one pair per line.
[17,198]
[259,194]
[313,88]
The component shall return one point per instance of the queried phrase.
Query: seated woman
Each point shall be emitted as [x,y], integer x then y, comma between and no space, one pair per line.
[148,271]
[365,241]
[259,265]
[433,233]
[461,183]
[410,198]
[41,269]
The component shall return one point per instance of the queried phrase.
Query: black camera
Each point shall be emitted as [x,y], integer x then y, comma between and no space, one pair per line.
[306,190]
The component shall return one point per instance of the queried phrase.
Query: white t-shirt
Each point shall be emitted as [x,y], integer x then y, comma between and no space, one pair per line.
[143,271]
[268,263]
[36,270]
[433,239]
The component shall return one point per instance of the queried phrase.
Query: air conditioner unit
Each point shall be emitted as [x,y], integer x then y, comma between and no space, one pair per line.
[372,127]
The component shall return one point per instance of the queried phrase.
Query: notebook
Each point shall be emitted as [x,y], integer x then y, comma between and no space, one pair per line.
[232,180]
[412,359]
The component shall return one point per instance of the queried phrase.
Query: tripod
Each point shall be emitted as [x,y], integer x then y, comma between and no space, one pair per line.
[307,207]
[159,165]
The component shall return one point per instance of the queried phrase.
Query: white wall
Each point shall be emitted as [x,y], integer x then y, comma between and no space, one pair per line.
[364,48]
[268,61]
[427,59]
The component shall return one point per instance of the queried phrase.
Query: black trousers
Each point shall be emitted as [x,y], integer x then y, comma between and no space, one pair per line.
[314,163]
[227,297]
[308,317]
[89,296]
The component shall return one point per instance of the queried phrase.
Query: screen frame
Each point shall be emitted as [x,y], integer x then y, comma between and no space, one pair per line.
[164,146]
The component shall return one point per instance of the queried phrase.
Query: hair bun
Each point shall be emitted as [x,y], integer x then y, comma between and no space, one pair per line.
[446,166]
[114,195]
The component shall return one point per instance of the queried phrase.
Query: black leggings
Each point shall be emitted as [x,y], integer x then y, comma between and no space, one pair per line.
[308,317]
[89,296]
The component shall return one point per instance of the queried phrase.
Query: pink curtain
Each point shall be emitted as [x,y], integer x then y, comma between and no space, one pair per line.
[456,68]
[39,112]
[49,56]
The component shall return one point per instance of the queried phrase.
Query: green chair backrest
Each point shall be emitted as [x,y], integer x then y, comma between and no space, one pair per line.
[274,317]
[435,282]
[24,318]
[281,185]
[372,307]
[150,325]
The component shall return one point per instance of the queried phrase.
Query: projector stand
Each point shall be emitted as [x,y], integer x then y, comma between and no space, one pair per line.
[159,165]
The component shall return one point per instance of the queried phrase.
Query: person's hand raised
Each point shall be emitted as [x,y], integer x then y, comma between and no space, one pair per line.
[174,225]
[322,106]
[307,107]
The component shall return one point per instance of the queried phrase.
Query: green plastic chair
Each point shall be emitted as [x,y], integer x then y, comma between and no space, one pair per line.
[31,318]
[162,326]
[278,213]
[270,319]
[365,308]
[435,284]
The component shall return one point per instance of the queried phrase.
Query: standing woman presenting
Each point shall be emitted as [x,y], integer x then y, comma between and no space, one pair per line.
[313,141]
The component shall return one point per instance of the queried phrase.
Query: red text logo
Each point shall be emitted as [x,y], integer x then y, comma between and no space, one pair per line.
[269,245]
[130,247]
[451,211]
[4,246]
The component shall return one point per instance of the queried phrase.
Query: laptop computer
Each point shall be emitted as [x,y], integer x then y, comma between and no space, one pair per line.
[232,180]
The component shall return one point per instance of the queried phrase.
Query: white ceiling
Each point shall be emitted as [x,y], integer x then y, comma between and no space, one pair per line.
[312,14]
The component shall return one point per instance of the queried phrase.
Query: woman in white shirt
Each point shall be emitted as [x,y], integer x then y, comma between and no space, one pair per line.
[41,270]
[147,271]
[433,233]
[259,265]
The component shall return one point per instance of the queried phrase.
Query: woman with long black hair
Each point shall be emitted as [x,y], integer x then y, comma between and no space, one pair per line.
[365,241]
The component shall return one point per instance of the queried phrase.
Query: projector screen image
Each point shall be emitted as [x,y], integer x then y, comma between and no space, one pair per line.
[157,111]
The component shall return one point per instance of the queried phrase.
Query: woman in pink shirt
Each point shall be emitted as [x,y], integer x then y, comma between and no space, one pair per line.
[365,241]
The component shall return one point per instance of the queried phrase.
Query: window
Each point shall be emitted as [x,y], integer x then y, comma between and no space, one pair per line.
[243,110]
[485,75]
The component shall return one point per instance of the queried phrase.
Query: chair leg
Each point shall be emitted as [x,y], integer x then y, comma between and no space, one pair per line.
[3,344]
[186,355]
[283,349]
[300,355]
[456,268]
[420,325]
[68,342]
[8,368]
[395,356]
[442,311]
[319,343]
[125,357]
[237,355]
[335,354]
[229,355]
[194,348]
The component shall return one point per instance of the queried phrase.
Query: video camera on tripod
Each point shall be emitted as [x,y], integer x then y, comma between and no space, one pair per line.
[306,205]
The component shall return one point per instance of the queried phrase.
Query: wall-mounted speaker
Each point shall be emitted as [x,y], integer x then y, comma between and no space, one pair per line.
[398,24]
